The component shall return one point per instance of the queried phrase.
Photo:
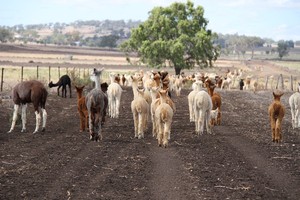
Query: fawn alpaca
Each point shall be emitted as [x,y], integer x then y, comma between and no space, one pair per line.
[163,119]
[276,114]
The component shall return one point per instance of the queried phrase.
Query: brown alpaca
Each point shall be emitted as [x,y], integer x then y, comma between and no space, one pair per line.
[83,112]
[29,92]
[276,113]
[216,101]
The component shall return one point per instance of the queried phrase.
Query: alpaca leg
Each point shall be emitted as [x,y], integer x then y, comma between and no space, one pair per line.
[109,106]
[191,112]
[37,121]
[197,122]
[98,122]
[117,108]
[166,136]
[219,117]
[201,122]
[135,119]
[58,90]
[44,113]
[90,125]
[15,117]
[24,107]
[140,125]
[278,131]
[208,126]
[297,119]
[293,118]
[160,133]
[273,128]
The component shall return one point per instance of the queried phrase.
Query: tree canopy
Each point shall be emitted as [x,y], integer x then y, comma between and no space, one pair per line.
[176,36]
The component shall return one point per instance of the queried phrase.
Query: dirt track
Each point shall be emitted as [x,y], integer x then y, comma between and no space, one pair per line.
[238,162]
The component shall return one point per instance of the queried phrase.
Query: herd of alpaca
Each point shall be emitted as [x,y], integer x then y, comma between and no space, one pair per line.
[151,101]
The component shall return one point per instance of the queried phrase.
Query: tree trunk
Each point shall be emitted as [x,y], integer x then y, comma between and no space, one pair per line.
[177,70]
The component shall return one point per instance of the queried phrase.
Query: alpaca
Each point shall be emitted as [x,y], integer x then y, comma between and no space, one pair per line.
[114,93]
[294,102]
[276,114]
[163,119]
[140,111]
[95,103]
[178,85]
[216,99]
[196,88]
[63,82]
[29,92]
[83,112]
[154,106]
[202,106]
[81,106]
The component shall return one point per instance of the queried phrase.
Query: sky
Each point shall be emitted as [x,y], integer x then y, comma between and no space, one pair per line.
[275,19]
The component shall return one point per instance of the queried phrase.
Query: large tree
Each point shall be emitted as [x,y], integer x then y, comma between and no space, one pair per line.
[176,36]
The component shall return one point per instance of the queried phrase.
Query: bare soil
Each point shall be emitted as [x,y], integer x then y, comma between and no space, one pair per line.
[238,161]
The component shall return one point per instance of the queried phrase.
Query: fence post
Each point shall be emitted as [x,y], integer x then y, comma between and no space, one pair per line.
[266,83]
[58,72]
[37,72]
[291,83]
[22,73]
[49,73]
[2,72]
[282,82]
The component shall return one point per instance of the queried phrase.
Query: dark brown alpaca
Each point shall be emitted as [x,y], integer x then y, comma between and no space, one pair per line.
[29,92]
[82,109]
[63,82]
[276,114]
[95,104]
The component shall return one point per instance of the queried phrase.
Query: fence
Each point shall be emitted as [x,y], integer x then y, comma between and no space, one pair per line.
[11,75]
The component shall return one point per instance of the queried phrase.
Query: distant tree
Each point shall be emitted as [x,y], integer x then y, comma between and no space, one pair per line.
[109,41]
[254,42]
[283,49]
[5,35]
[290,43]
[176,35]
[297,43]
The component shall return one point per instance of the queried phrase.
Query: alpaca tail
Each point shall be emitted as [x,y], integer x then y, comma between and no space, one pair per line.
[164,117]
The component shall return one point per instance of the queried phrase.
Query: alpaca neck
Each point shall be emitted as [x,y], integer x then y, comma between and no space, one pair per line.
[163,99]
[55,84]
[79,95]
[97,82]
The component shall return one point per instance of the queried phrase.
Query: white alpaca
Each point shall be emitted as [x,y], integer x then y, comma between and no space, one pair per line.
[114,93]
[294,102]
[226,83]
[202,107]
[196,88]
[140,111]
[163,119]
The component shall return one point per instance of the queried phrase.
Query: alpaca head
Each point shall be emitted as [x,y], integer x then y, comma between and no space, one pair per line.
[277,94]
[95,74]
[104,87]
[50,84]
[79,89]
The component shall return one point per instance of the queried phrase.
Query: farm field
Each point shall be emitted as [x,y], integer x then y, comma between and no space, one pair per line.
[238,161]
